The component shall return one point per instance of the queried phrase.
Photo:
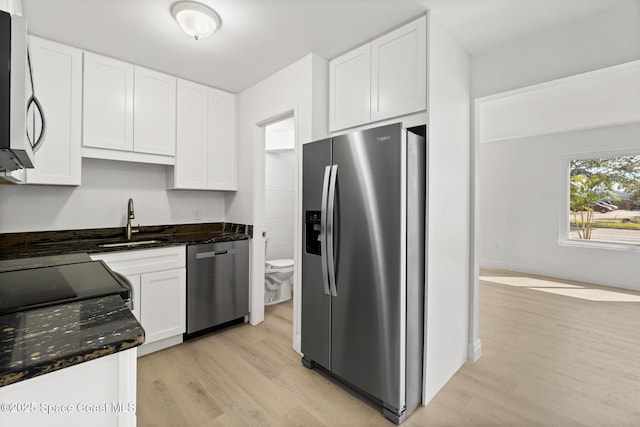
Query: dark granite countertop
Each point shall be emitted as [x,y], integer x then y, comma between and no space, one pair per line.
[43,340]
[44,243]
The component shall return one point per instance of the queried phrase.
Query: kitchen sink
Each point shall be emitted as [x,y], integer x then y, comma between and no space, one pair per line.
[129,244]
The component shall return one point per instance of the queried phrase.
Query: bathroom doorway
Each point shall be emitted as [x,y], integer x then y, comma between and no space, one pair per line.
[280,169]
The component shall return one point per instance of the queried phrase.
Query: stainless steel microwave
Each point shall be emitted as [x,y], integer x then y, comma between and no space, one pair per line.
[22,122]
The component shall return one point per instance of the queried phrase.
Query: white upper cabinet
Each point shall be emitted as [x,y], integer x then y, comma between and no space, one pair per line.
[154,113]
[57,80]
[222,141]
[206,139]
[350,86]
[380,80]
[129,112]
[119,111]
[190,171]
[399,71]
[108,103]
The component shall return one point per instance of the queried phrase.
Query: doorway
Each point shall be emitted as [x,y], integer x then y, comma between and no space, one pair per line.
[279,209]
[259,248]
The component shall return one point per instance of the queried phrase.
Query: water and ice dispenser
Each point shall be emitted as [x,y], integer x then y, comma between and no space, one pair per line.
[312,230]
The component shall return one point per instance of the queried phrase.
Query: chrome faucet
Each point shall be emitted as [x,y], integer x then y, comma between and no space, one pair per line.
[130,215]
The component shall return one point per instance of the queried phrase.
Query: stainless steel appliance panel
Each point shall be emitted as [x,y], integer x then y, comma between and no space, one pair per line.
[416,208]
[22,122]
[217,283]
[316,321]
[366,314]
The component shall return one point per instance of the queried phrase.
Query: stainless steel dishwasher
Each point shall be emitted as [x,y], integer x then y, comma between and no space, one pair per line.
[217,284]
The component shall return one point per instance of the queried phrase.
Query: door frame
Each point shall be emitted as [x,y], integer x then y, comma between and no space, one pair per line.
[258,253]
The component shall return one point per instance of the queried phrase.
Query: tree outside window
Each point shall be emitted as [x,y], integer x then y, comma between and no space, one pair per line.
[605,199]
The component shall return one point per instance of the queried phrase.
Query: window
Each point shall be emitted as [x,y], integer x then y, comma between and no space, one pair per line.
[604,199]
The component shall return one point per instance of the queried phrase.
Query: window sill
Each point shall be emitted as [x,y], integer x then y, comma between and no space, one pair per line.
[598,244]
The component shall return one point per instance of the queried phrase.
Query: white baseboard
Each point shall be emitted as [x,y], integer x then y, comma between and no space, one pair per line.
[569,274]
[151,347]
[297,344]
[474,351]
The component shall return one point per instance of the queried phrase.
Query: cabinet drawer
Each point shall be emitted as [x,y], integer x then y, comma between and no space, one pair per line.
[144,261]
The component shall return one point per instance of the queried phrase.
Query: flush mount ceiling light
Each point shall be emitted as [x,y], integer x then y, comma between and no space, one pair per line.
[195,19]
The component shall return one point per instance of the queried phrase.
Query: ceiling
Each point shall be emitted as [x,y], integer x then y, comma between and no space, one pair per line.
[260,37]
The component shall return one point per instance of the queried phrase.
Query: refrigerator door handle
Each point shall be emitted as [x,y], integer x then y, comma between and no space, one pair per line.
[331,205]
[323,230]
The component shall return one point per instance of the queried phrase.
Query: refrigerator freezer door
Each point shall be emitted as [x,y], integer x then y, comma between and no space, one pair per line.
[316,309]
[367,314]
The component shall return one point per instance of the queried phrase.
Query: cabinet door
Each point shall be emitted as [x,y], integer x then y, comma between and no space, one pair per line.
[191,143]
[57,80]
[162,307]
[350,89]
[108,103]
[399,71]
[154,113]
[222,141]
[79,389]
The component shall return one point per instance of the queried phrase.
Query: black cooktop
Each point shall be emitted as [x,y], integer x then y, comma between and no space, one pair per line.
[31,287]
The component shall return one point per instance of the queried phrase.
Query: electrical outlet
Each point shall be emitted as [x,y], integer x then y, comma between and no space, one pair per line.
[196,214]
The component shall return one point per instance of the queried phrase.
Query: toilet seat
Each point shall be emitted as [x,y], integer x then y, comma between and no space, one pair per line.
[279,263]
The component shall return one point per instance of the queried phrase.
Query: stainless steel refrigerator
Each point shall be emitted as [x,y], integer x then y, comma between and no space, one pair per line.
[363,260]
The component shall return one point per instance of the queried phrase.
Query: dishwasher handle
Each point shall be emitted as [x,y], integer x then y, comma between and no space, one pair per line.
[211,254]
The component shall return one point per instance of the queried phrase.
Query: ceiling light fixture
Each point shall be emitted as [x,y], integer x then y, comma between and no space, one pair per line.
[195,19]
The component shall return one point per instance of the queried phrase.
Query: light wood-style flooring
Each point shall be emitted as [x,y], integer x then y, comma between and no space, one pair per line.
[548,360]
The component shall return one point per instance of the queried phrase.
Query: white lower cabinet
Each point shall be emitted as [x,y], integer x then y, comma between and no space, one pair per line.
[100,392]
[159,279]
[162,307]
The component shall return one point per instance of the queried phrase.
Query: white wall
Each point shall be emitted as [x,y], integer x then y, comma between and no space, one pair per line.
[608,39]
[448,232]
[519,183]
[280,135]
[101,200]
[606,97]
[301,88]
[279,179]
[522,184]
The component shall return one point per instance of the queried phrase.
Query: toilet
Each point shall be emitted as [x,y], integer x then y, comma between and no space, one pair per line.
[277,280]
